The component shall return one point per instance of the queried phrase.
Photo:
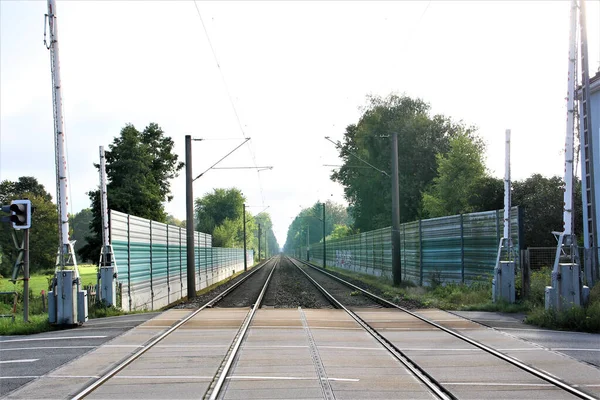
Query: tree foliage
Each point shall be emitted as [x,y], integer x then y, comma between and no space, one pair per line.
[79,224]
[267,235]
[309,223]
[421,137]
[139,167]
[220,213]
[542,201]
[43,235]
[460,172]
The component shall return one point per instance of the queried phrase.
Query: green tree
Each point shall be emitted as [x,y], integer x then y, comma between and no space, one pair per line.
[272,246]
[43,237]
[309,223]
[542,201]
[420,138]
[214,208]
[171,220]
[79,224]
[487,194]
[139,167]
[340,231]
[459,172]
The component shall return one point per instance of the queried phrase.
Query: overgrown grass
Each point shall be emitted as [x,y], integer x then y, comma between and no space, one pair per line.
[36,324]
[477,296]
[584,319]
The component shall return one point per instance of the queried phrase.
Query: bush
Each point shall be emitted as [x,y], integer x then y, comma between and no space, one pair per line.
[538,281]
[584,319]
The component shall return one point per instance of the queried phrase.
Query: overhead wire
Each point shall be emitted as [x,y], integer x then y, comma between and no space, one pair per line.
[237,116]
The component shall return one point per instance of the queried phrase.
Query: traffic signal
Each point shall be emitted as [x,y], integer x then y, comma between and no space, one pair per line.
[20,211]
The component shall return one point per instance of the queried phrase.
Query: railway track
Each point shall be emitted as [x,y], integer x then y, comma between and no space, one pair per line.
[258,292]
[421,373]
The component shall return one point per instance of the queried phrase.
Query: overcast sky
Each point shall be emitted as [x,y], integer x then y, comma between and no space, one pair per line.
[296,72]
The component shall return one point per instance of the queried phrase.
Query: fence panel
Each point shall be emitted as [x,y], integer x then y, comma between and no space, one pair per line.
[441,249]
[151,259]
[458,248]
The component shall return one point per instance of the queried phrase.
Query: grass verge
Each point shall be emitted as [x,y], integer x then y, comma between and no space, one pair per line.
[476,296]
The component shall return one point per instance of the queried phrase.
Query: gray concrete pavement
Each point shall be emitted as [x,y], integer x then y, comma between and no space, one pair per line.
[292,353]
[581,346]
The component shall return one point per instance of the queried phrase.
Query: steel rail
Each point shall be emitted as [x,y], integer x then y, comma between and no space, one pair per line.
[240,338]
[100,381]
[438,390]
[532,370]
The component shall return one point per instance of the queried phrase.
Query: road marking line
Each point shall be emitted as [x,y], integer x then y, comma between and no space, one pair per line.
[51,338]
[161,377]
[72,376]
[321,347]
[542,331]
[288,378]
[497,384]
[567,349]
[19,377]
[198,346]
[27,360]
[49,347]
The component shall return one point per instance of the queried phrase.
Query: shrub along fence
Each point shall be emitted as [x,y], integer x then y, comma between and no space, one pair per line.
[152,261]
[458,248]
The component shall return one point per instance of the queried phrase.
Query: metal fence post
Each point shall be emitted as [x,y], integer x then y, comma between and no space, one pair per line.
[498,235]
[197,255]
[421,252]
[168,276]
[151,272]
[206,258]
[129,260]
[404,249]
[180,266]
[525,274]
[462,250]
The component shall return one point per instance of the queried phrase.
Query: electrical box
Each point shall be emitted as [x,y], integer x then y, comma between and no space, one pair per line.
[585,295]
[51,307]
[82,306]
[66,298]
[567,290]
[108,294]
[503,284]
[550,297]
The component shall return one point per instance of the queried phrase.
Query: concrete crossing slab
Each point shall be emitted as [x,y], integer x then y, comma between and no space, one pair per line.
[302,354]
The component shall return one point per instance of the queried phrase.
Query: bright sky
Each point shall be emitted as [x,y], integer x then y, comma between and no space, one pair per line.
[296,71]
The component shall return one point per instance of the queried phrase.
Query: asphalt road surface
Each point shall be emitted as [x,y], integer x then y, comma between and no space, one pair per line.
[26,357]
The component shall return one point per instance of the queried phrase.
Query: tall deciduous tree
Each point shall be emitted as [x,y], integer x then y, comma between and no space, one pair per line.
[139,167]
[542,201]
[309,224]
[79,223]
[459,173]
[43,237]
[220,213]
[420,138]
[267,234]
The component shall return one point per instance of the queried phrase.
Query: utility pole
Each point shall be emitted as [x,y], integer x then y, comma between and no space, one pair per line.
[245,258]
[324,248]
[396,262]
[308,242]
[26,275]
[259,242]
[189,215]
[67,304]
